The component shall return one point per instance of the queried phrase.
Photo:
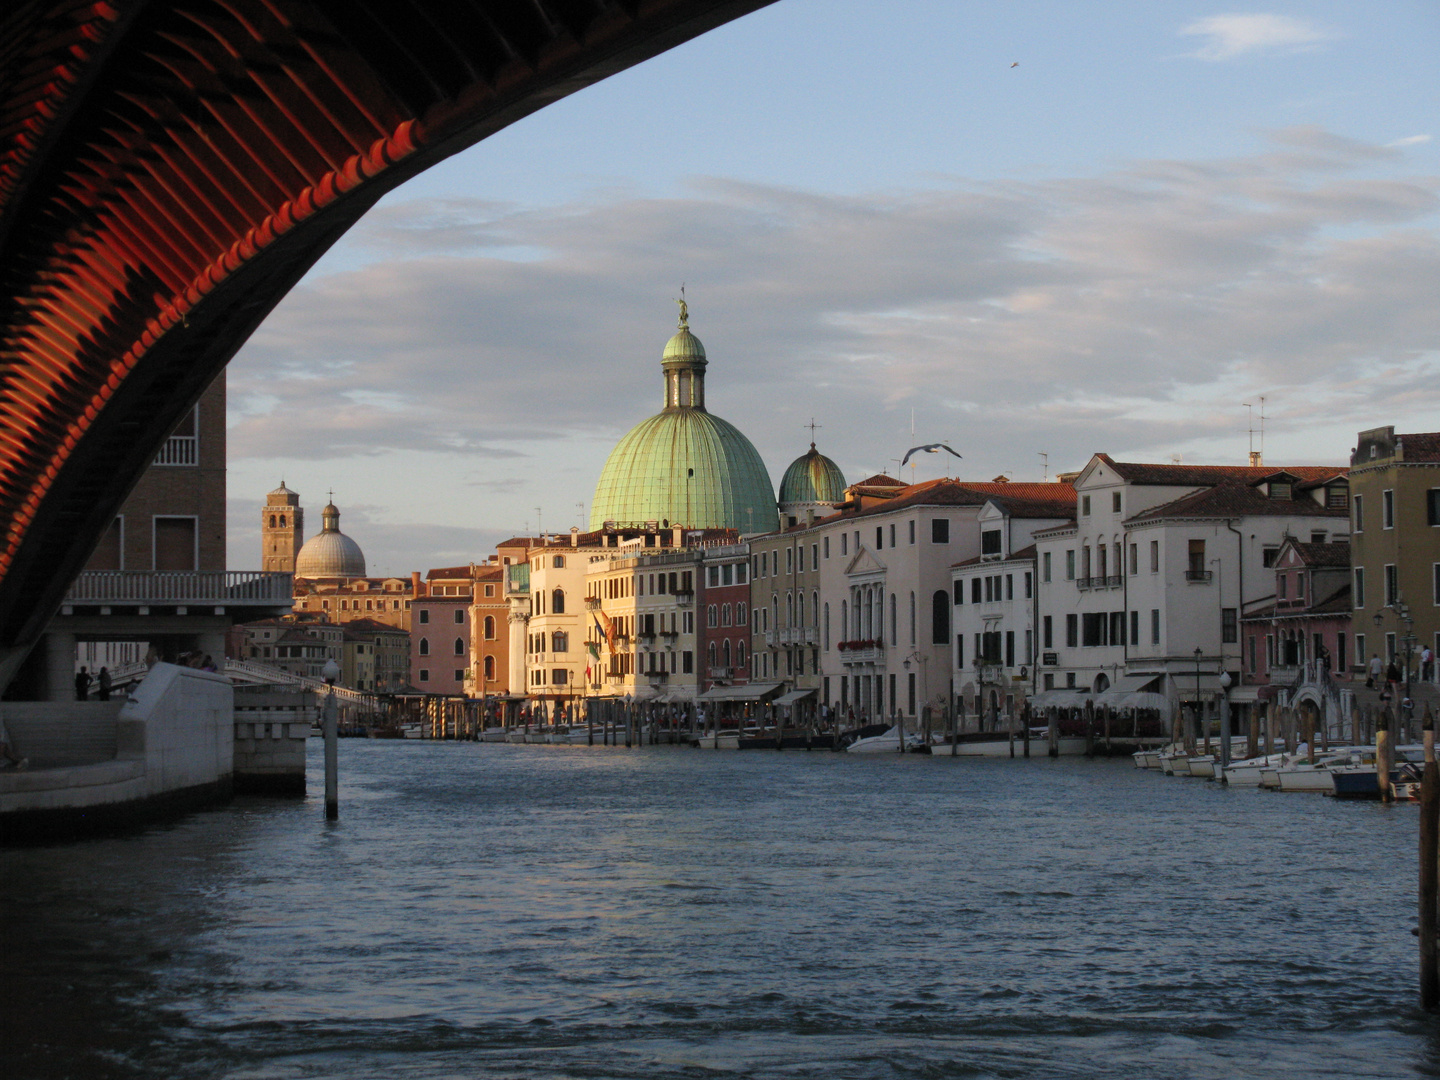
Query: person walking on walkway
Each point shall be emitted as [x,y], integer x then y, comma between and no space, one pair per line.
[82,684]
[1377,669]
[103,683]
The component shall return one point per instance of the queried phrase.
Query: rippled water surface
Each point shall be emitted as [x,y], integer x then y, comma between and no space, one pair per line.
[556,912]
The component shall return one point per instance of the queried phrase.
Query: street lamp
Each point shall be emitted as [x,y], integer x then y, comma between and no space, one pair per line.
[331,673]
[1197,686]
[1224,721]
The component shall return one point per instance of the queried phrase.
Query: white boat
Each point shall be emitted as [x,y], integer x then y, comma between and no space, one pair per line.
[1203,766]
[515,735]
[1302,775]
[493,734]
[1175,763]
[889,743]
[1146,759]
[718,740]
[1247,773]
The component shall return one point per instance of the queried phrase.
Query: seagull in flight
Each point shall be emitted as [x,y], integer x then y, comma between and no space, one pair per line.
[1015,64]
[929,448]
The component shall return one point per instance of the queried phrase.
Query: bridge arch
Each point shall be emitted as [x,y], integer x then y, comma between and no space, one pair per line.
[171,168]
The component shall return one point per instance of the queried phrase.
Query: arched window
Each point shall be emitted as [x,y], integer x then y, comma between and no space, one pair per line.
[894,633]
[710,652]
[272,521]
[844,620]
[459,646]
[557,601]
[815,608]
[559,641]
[726,651]
[424,646]
[489,627]
[789,609]
[558,562]
[940,617]
[282,521]
[740,654]
[826,642]
[489,668]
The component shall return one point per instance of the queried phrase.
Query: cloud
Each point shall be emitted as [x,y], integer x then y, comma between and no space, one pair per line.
[1410,140]
[1130,311]
[1229,36]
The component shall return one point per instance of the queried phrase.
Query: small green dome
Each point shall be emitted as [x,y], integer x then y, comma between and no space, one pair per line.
[684,346]
[812,478]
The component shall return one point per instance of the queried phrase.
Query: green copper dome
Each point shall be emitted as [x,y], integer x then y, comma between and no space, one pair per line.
[812,478]
[683,465]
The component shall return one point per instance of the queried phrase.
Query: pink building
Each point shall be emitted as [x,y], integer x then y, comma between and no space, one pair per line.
[1307,619]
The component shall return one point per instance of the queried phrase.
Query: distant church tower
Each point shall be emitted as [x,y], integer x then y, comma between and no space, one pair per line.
[282,530]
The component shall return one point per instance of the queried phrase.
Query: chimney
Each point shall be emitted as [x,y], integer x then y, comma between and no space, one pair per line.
[809,517]
[415,583]
[574,536]
[1255,458]
[678,536]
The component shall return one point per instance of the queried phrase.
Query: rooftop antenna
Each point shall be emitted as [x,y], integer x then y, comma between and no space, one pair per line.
[1044,466]
[1257,458]
[539,528]
[581,506]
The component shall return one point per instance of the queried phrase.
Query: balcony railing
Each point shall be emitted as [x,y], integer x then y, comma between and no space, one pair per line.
[1113,581]
[684,597]
[1082,583]
[720,672]
[179,450]
[1198,575]
[229,588]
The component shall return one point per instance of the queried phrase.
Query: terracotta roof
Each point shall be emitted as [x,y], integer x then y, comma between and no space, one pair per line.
[1185,475]
[1333,553]
[1337,603]
[879,480]
[1421,446]
[1058,504]
[1236,500]
[371,626]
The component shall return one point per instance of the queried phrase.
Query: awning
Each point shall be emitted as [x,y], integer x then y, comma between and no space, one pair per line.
[749,692]
[1244,695]
[1129,684]
[792,697]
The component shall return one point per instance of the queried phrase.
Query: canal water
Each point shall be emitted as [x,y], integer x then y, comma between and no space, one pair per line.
[555,912]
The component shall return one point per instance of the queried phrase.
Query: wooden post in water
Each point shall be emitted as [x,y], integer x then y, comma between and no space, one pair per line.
[1384,756]
[1109,710]
[1053,734]
[1354,723]
[1026,716]
[1252,740]
[1429,867]
[1089,728]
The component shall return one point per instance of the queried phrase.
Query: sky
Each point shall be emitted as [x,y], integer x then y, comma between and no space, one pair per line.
[1036,231]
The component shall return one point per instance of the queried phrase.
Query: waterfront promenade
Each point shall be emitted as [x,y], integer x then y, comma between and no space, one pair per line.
[501,911]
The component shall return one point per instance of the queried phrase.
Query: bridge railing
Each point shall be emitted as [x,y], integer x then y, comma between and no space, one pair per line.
[218,587]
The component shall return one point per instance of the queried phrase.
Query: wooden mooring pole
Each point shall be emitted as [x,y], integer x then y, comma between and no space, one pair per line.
[1429,867]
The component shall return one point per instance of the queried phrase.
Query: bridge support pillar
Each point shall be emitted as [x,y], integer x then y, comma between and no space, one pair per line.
[60,666]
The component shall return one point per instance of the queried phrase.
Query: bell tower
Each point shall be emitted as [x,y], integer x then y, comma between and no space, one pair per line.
[282,530]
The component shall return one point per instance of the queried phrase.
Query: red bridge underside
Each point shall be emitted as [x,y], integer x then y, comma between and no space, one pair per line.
[168,171]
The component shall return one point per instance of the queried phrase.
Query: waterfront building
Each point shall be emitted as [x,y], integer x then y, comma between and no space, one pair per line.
[386,650]
[440,626]
[993,596]
[1144,589]
[684,466]
[1306,619]
[293,647]
[1395,546]
[725,624]
[489,674]
[554,656]
[789,613]
[330,583]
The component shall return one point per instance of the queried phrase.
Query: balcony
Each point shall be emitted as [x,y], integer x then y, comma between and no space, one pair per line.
[1114,581]
[990,674]
[179,450]
[1284,675]
[722,673]
[684,597]
[1203,576]
[1083,582]
[645,639]
[212,588]
[592,603]
[658,678]
[671,636]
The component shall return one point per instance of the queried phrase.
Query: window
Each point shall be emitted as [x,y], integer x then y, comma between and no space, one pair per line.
[1432,507]
[879,537]
[940,531]
[789,560]
[959,591]
[1360,650]
[960,651]
[1070,565]
[990,542]
[1045,567]
[1197,557]
[424,674]
[814,558]
[1047,632]
[687,662]
[912,618]
[801,562]
[1300,585]
[558,562]
[459,646]
[559,676]
[939,617]
[894,628]
[975,584]
[1268,556]
[1359,503]
[1229,626]
[460,615]
[1282,586]
[1359,587]
[1115,501]
[827,547]
[1009,587]
[1135,628]
[742,614]
[844,543]
[1435,574]
[1029,584]
[557,602]
[424,646]
[1092,628]
[1337,497]
[1009,648]
[559,641]
[1392,584]
[912,530]
[892,534]
[712,616]
[1154,626]
[489,668]
[1387,509]
[424,615]
[1154,556]
[1085,506]
[489,627]
[1072,630]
